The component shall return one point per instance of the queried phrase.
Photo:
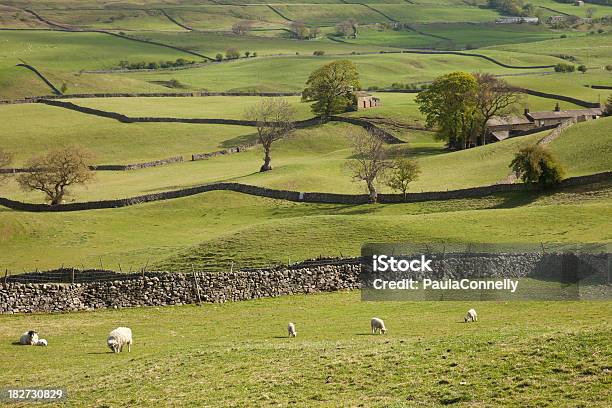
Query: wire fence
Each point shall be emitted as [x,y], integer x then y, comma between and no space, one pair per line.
[83,275]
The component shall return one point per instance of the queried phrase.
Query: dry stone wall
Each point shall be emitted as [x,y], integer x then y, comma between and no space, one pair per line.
[160,289]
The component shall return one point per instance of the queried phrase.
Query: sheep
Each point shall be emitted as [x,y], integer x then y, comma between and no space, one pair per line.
[471,316]
[119,338]
[29,338]
[378,326]
[291,330]
[42,342]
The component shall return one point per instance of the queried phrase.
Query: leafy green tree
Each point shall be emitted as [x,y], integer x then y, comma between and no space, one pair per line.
[582,68]
[219,57]
[536,165]
[403,172]
[449,105]
[608,108]
[331,88]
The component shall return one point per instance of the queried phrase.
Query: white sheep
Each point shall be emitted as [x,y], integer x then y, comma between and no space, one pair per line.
[29,338]
[119,338]
[471,316]
[291,330]
[378,326]
[42,342]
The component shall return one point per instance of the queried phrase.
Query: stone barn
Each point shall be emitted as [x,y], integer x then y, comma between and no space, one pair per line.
[365,100]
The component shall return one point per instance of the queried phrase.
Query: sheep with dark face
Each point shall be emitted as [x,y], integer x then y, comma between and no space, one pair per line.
[291,330]
[29,338]
[471,316]
[119,338]
[378,326]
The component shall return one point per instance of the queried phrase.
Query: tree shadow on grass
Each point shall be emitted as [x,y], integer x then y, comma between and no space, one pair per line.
[520,199]
[239,140]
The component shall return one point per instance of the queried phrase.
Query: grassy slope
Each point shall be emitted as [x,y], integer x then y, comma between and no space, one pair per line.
[38,128]
[588,49]
[290,73]
[213,43]
[230,227]
[226,107]
[585,148]
[521,353]
[60,56]
[310,160]
[457,35]
[111,19]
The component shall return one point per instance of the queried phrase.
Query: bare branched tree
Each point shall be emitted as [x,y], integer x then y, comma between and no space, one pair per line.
[369,161]
[242,27]
[273,118]
[5,160]
[493,97]
[54,172]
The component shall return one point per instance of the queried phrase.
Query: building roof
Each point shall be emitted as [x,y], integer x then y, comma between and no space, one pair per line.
[564,114]
[508,121]
[362,93]
[501,134]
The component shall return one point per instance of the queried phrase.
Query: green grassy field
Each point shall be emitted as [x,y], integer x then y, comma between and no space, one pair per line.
[210,43]
[315,160]
[290,73]
[454,35]
[236,354]
[111,19]
[214,229]
[61,56]
[38,128]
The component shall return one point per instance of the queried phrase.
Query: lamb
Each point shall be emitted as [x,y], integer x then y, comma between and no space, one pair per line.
[378,325]
[42,342]
[291,330]
[119,338]
[471,316]
[29,338]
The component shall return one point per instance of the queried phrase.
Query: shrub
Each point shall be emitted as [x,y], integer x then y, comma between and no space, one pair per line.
[318,52]
[562,67]
[232,53]
[563,35]
[254,54]
[403,172]
[536,165]
[609,67]
[582,68]
[219,57]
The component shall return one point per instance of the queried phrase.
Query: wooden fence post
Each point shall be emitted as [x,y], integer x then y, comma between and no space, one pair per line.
[5,276]
[72,275]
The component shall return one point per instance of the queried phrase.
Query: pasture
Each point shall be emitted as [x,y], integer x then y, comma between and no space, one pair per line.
[238,354]
[529,353]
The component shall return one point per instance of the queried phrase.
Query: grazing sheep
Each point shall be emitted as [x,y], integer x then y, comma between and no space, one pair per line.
[119,338]
[378,325]
[471,316]
[291,330]
[29,338]
[42,342]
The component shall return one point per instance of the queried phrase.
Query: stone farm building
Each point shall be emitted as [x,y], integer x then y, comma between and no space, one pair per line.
[503,127]
[365,100]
